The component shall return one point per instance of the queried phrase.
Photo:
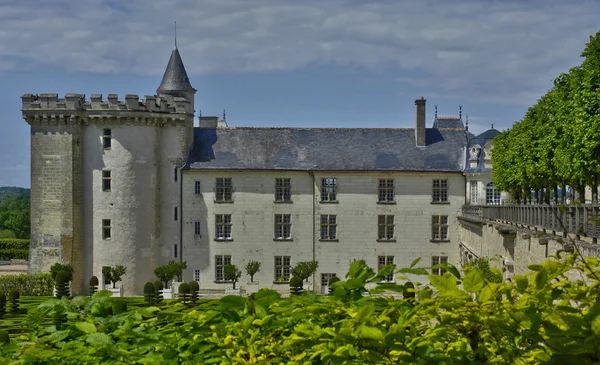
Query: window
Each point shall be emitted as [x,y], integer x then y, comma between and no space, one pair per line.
[197,275]
[283,190]
[283,226]
[106,180]
[175,174]
[386,190]
[385,227]
[175,251]
[175,213]
[106,230]
[329,190]
[220,262]
[474,193]
[384,261]
[283,266]
[197,187]
[197,228]
[223,190]
[492,196]
[436,260]
[107,139]
[328,227]
[439,227]
[440,191]
[223,226]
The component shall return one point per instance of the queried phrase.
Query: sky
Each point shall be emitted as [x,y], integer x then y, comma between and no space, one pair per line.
[309,63]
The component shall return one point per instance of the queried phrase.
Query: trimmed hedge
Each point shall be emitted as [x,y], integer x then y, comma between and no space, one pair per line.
[13,253]
[14,243]
[40,284]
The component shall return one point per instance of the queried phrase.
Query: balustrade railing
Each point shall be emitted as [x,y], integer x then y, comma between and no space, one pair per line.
[579,219]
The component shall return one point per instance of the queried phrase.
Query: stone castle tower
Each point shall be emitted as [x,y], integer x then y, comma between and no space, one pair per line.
[105,178]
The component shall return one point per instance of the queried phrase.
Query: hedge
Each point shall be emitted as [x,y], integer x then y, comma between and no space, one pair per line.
[14,243]
[40,284]
[10,254]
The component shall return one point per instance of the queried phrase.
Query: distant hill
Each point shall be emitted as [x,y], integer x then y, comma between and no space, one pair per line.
[14,212]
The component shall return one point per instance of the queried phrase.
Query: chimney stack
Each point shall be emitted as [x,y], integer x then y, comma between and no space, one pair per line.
[420,119]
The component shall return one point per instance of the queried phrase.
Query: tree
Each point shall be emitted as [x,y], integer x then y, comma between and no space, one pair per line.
[117,273]
[304,269]
[178,268]
[165,274]
[252,267]
[231,273]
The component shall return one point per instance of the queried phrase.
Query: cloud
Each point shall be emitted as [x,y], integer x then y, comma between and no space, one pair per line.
[492,51]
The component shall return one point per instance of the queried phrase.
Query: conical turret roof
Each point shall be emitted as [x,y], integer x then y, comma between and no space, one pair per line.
[175,77]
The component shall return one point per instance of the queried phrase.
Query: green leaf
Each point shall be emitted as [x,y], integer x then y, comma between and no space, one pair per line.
[260,311]
[391,287]
[415,271]
[372,333]
[85,327]
[232,302]
[541,278]
[98,339]
[522,283]
[444,282]
[415,262]
[474,281]
[535,267]
[101,294]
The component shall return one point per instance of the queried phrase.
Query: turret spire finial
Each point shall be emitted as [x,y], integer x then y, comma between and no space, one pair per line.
[436,112]
[460,111]
[467,124]
[175,33]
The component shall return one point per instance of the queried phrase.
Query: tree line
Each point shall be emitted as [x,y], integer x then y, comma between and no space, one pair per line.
[557,143]
[14,212]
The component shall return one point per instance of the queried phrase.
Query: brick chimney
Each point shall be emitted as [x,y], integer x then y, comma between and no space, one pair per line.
[420,125]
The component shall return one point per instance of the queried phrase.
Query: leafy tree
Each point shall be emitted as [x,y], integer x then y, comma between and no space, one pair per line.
[231,273]
[252,267]
[117,273]
[304,269]
[167,272]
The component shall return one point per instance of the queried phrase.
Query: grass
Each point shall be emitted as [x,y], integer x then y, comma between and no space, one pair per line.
[12,322]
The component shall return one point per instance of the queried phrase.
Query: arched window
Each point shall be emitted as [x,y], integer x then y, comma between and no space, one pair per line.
[492,196]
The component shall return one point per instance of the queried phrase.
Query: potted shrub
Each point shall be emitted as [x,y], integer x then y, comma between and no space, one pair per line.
[296,285]
[194,291]
[252,267]
[114,275]
[183,293]
[93,285]
[231,273]
[304,270]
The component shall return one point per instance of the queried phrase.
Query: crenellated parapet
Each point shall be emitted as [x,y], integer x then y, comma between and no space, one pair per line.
[75,108]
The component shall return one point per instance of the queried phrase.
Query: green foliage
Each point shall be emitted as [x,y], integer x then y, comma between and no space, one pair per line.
[54,269]
[13,296]
[62,284]
[332,281]
[114,274]
[194,291]
[118,306]
[304,269]
[14,244]
[7,234]
[28,284]
[296,285]
[149,293]
[166,273]
[183,293]
[4,337]
[93,285]
[252,267]
[231,273]
[2,304]
[14,212]
[12,254]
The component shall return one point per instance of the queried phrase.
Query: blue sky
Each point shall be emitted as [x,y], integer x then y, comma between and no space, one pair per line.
[310,63]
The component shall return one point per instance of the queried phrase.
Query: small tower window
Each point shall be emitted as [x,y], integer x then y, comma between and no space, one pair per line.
[107,139]
[106,180]
[175,173]
[106,229]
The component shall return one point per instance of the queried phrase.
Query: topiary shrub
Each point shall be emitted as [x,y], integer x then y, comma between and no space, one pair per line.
[119,306]
[62,284]
[57,267]
[184,293]
[334,279]
[94,285]
[194,289]
[13,296]
[2,305]
[158,287]
[149,293]
[4,337]
[408,294]
[296,285]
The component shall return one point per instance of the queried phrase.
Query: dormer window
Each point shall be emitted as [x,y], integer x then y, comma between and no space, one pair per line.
[488,156]
[474,153]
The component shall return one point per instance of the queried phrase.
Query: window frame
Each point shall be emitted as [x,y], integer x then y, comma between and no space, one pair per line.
[329,189]
[197,229]
[223,222]
[106,228]
[283,190]
[384,226]
[328,230]
[436,260]
[439,191]
[439,225]
[223,190]
[474,192]
[106,180]
[492,196]
[197,190]
[220,268]
[386,261]
[175,213]
[107,138]
[280,227]
[175,250]
[282,268]
[197,275]
[387,191]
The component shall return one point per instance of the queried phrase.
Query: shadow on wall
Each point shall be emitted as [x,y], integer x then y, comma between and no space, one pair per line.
[204,140]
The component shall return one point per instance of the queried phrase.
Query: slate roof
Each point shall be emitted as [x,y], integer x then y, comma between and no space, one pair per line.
[175,77]
[480,140]
[321,149]
[448,122]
